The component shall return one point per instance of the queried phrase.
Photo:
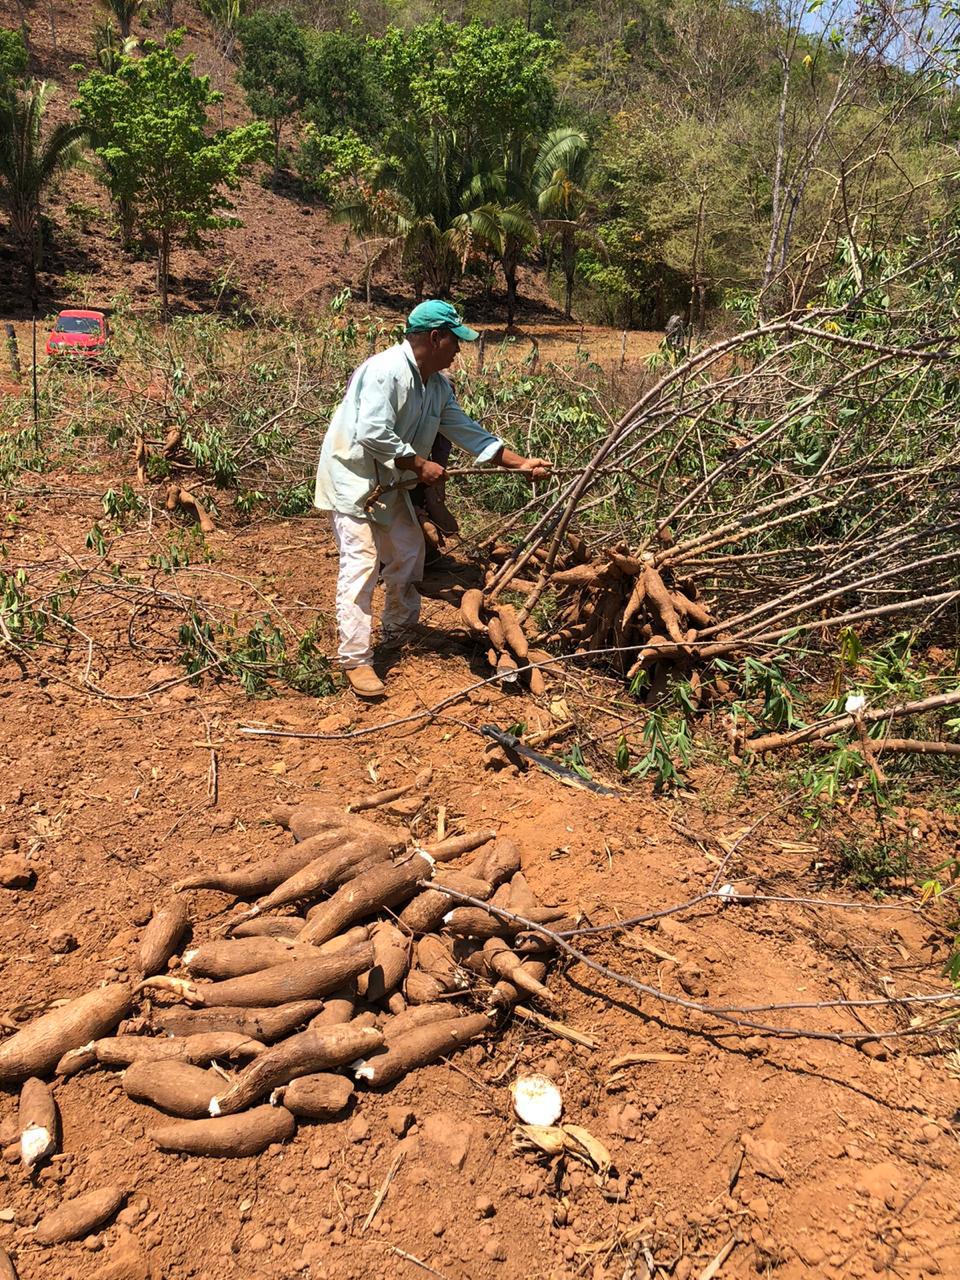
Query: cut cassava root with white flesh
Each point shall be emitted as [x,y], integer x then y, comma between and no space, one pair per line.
[177,1088]
[419,1047]
[39,1123]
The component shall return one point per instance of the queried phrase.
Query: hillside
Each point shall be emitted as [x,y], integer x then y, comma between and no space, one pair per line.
[288,253]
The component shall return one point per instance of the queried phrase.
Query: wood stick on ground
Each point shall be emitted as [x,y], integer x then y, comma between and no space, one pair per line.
[381,1195]
[559,1029]
[713,1267]
[825,728]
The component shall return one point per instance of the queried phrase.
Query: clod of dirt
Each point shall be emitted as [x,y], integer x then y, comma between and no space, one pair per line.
[126,1261]
[61,943]
[16,872]
[692,981]
[400,1119]
[451,1136]
[765,1156]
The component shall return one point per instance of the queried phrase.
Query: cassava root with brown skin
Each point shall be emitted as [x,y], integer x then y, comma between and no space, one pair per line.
[38,1048]
[421,1046]
[310,1052]
[228,1136]
[329,870]
[314,1008]
[281,984]
[178,1088]
[162,937]
[266,1025]
[316,1097]
[39,1123]
[234,957]
[390,794]
[121,1051]
[80,1216]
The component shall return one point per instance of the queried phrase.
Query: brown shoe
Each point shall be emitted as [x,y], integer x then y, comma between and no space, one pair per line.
[365,682]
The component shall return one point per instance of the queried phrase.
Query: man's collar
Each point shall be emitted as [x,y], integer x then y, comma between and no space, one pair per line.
[411,359]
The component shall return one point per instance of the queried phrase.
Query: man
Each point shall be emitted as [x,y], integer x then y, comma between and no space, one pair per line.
[376,449]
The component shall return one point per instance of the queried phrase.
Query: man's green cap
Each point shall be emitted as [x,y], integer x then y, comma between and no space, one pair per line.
[435,314]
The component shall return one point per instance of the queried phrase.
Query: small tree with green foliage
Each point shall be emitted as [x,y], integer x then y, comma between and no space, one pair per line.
[273,71]
[150,129]
[342,87]
[13,59]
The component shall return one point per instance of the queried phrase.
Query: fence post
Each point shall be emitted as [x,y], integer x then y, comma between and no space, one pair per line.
[13,350]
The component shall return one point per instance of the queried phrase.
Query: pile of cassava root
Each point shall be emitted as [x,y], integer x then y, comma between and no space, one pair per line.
[278,1018]
[634,605]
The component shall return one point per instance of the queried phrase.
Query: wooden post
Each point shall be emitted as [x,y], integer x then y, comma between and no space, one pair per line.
[623,348]
[481,348]
[13,349]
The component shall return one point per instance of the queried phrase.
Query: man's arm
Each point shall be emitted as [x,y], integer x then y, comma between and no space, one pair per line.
[486,448]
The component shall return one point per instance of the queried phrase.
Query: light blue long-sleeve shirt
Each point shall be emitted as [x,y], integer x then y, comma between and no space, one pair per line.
[388,412]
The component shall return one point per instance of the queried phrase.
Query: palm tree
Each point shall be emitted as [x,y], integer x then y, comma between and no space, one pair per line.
[559,175]
[29,162]
[110,48]
[124,11]
[417,210]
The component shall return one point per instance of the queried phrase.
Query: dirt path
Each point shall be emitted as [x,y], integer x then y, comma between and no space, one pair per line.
[814,1159]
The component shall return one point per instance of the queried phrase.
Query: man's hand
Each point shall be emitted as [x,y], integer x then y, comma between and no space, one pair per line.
[427,472]
[532,468]
[535,468]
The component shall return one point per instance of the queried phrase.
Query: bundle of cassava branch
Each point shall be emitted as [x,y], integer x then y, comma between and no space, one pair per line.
[777,490]
[350,967]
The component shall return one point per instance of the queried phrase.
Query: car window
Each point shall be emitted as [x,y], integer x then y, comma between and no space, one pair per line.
[77,324]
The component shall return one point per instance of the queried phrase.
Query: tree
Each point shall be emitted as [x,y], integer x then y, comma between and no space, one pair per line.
[559,175]
[29,161]
[13,59]
[149,127]
[491,86]
[110,48]
[342,90]
[124,11]
[417,207]
[273,71]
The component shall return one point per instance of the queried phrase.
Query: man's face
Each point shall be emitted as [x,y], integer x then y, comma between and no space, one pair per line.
[445,346]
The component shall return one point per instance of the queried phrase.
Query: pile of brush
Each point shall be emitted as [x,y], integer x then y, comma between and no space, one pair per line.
[351,966]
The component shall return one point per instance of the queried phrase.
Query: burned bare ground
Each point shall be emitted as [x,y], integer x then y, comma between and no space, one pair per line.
[734,1151]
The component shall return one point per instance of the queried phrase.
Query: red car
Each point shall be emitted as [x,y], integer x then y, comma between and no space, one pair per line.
[79,333]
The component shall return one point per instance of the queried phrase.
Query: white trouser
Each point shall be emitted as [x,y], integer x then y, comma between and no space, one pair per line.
[363,546]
